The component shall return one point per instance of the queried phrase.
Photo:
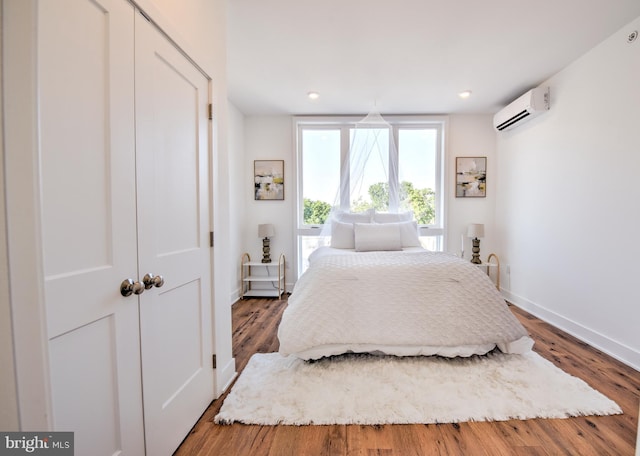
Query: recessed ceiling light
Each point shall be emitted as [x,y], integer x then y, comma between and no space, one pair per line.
[313,95]
[465,94]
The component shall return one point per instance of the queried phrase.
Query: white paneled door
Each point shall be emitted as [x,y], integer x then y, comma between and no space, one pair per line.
[87,172]
[124,193]
[173,238]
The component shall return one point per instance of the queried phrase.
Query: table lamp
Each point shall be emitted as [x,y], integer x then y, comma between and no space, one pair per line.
[266,231]
[475,231]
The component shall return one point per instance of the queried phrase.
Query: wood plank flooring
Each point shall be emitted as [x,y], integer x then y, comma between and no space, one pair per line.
[255,323]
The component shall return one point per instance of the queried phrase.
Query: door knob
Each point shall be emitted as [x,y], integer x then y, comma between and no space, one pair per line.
[150,280]
[129,287]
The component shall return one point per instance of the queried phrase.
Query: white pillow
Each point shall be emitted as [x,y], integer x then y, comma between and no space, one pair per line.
[354,217]
[372,236]
[342,236]
[409,234]
[392,217]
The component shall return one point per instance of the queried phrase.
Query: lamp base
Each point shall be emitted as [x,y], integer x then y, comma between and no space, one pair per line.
[475,257]
[266,250]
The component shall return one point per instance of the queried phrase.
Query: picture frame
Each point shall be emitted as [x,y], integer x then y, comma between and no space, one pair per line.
[471,177]
[268,180]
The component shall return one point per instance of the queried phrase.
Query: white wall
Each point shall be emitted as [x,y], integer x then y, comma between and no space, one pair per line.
[199,28]
[471,136]
[239,192]
[567,207]
[271,137]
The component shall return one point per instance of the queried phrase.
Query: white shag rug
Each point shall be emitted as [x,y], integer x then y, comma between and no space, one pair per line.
[365,389]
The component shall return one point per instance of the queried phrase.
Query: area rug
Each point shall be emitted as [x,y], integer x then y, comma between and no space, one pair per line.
[366,389]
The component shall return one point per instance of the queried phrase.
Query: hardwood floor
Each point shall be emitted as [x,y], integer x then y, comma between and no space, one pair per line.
[255,323]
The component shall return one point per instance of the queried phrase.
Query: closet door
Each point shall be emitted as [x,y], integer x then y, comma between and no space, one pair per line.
[173,238]
[88,214]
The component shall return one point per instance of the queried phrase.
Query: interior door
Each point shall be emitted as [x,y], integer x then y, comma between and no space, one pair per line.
[88,214]
[173,238]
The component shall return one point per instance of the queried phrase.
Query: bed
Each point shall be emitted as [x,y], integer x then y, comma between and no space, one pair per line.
[403,301]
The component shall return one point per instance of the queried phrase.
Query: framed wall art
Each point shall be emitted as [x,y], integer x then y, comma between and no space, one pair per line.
[268,179]
[471,177]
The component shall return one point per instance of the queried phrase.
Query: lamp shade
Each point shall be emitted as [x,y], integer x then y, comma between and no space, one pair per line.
[475,230]
[266,230]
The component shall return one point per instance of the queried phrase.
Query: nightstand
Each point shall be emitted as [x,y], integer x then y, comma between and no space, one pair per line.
[266,273]
[493,263]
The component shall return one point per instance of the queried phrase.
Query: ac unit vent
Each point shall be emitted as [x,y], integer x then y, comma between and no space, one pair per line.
[526,107]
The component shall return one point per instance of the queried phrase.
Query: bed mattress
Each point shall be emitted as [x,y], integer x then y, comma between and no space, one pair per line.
[403,303]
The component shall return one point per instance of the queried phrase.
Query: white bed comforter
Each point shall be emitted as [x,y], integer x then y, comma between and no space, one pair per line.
[399,303]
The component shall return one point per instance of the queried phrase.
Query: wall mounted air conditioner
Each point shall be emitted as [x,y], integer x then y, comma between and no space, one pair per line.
[526,107]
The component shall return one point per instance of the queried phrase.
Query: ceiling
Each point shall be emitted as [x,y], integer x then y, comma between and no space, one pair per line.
[405,56]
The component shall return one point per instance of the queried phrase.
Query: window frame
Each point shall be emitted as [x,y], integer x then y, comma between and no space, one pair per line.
[345,124]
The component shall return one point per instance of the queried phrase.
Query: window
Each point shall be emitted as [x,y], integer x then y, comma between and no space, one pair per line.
[320,173]
[418,158]
[414,184]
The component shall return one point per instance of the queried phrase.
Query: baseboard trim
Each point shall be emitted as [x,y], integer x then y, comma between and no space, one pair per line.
[615,349]
[234,296]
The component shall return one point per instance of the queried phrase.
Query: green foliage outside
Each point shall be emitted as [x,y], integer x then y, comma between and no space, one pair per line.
[419,200]
[315,212]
